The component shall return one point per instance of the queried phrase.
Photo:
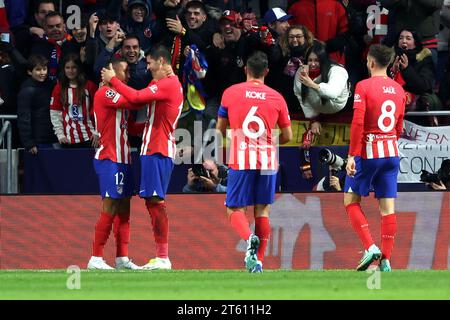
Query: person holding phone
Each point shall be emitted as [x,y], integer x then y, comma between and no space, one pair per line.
[321,85]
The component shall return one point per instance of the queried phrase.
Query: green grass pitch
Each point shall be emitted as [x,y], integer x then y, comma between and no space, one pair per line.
[226,285]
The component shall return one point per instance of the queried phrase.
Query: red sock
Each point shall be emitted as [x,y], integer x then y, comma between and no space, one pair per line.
[102,231]
[388,230]
[121,232]
[160,224]
[359,223]
[240,224]
[262,230]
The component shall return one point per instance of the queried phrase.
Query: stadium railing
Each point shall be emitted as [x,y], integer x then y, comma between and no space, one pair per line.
[7,131]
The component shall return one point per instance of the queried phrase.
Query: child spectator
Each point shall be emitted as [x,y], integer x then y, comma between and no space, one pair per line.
[33,114]
[71,105]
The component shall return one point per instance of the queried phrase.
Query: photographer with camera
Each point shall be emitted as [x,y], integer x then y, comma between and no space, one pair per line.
[207,177]
[439,180]
[335,181]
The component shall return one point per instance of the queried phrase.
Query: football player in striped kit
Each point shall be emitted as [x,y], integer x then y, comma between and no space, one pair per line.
[373,158]
[112,163]
[164,96]
[253,110]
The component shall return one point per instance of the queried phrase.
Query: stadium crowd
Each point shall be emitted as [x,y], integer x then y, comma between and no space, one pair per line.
[52,52]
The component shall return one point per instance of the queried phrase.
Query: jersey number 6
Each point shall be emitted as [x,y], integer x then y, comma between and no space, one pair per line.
[251,117]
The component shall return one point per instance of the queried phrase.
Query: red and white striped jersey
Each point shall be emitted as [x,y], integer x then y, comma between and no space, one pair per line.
[377,22]
[165,102]
[73,120]
[112,124]
[253,110]
[379,108]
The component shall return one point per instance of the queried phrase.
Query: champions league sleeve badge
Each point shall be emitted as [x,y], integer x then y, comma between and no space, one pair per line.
[110,94]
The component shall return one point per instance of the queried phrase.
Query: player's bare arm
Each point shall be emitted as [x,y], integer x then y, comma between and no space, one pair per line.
[286,135]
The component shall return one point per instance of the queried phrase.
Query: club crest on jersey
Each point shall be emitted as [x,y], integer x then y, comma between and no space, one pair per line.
[110,94]
[148,32]
[370,137]
[243,145]
[75,113]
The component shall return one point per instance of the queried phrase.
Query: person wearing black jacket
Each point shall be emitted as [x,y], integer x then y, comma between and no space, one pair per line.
[55,44]
[33,112]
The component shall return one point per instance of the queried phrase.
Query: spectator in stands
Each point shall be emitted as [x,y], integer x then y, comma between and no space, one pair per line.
[321,86]
[71,106]
[9,86]
[141,23]
[8,81]
[55,44]
[79,38]
[207,177]
[227,56]
[423,15]
[284,61]
[108,26]
[119,8]
[327,20]
[277,21]
[132,52]
[34,27]
[33,113]
[198,30]
[413,69]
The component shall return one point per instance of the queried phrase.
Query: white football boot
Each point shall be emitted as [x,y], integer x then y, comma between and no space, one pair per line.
[126,263]
[97,263]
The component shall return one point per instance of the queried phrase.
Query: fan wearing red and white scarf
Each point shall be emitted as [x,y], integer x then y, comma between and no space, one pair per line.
[56,54]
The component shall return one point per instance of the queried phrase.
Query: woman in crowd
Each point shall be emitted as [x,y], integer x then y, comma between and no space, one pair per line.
[321,86]
[285,58]
[413,68]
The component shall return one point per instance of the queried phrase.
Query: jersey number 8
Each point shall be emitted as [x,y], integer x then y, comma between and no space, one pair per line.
[385,114]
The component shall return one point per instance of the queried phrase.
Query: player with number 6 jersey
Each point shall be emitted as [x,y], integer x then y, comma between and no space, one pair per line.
[373,158]
[253,111]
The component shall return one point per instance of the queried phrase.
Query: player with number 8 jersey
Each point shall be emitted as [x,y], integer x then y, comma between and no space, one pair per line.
[373,158]
[253,110]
